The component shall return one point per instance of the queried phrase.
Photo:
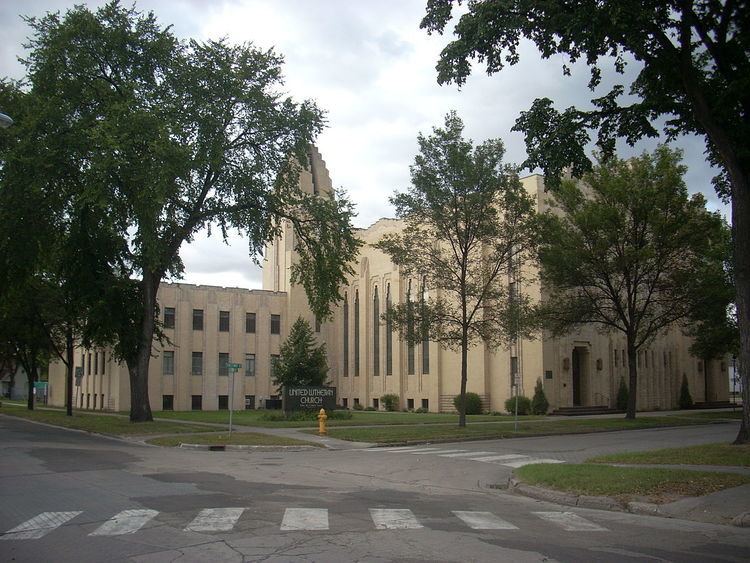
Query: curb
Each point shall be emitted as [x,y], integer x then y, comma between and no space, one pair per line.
[244,448]
[602,502]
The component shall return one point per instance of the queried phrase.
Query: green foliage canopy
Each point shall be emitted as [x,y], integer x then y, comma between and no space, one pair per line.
[300,363]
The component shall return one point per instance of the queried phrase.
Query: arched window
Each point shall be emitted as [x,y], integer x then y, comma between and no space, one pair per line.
[388,332]
[409,332]
[346,335]
[376,333]
[425,333]
[356,333]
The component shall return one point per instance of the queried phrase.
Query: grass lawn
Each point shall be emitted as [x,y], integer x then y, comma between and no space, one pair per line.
[238,438]
[527,427]
[708,454]
[102,423]
[658,485]
[359,418]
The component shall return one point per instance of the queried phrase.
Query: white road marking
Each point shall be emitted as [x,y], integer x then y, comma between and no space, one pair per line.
[417,450]
[521,463]
[126,522]
[467,454]
[215,520]
[494,458]
[394,519]
[39,526]
[570,522]
[394,449]
[438,452]
[483,521]
[305,519]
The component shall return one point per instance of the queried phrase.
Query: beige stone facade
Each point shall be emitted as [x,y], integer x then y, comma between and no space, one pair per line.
[365,359]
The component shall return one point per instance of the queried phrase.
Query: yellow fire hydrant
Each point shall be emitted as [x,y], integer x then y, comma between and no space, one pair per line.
[322,417]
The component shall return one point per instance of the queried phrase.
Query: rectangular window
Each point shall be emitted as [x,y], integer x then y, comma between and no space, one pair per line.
[274,361]
[345,402]
[388,333]
[356,401]
[88,371]
[223,321]
[376,404]
[196,402]
[250,365]
[103,361]
[101,402]
[275,324]
[410,404]
[426,404]
[249,402]
[96,363]
[616,356]
[346,336]
[197,319]
[425,336]
[167,402]
[356,334]
[168,363]
[223,402]
[197,366]
[88,400]
[168,317]
[376,334]
[94,401]
[250,323]
[223,361]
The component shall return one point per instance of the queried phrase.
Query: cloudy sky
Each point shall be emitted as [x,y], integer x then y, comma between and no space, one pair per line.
[371,68]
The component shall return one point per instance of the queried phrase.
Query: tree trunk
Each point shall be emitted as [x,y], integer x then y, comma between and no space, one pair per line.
[140,407]
[632,379]
[31,375]
[741,236]
[464,377]
[69,370]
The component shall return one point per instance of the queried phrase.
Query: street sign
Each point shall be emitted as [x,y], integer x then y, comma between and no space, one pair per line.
[234,366]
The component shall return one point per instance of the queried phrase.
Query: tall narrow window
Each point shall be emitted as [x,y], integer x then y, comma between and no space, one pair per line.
[250,365]
[168,317]
[104,361]
[346,335]
[388,333]
[223,361]
[223,321]
[168,363]
[275,324]
[250,323]
[197,319]
[356,333]
[409,332]
[96,363]
[423,328]
[197,367]
[376,333]
[274,363]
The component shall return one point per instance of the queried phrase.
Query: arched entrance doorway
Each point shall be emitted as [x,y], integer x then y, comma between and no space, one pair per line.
[579,359]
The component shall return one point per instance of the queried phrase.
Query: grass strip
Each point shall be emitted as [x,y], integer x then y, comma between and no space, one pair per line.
[479,431]
[657,484]
[707,454]
[102,423]
[237,438]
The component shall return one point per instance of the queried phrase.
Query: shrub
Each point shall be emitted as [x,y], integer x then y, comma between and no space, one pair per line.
[473,403]
[686,401]
[390,402]
[524,405]
[358,407]
[539,404]
[370,409]
[421,410]
[622,396]
[277,416]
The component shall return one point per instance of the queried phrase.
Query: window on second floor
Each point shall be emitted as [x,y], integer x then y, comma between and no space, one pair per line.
[250,323]
[275,324]
[197,365]
[223,361]
[223,321]
[197,319]
[168,363]
[169,317]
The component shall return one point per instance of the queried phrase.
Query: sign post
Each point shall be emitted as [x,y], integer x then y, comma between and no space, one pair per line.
[233,368]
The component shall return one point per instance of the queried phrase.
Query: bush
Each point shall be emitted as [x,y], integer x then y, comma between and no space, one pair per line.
[539,404]
[370,409]
[622,396]
[421,410]
[390,402]
[686,401]
[473,403]
[278,416]
[358,407]
[524,405]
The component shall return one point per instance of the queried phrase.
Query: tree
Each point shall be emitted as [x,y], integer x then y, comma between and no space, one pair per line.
[539,403]
[300,363]
[685,401]
[694,64]
[468,229]
[161,139]
[624,252]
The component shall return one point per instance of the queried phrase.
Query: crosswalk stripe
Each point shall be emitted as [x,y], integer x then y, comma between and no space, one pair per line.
[39,526]
[437,452]
[483,520]
[416,450]
[570,522]
[394,519]
[126,522]
[466,454]
[522,462]
[393,449]
[305,519]
[215,520]
[494,458]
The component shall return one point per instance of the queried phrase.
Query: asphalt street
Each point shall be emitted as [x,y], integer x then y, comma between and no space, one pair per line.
[69,496]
